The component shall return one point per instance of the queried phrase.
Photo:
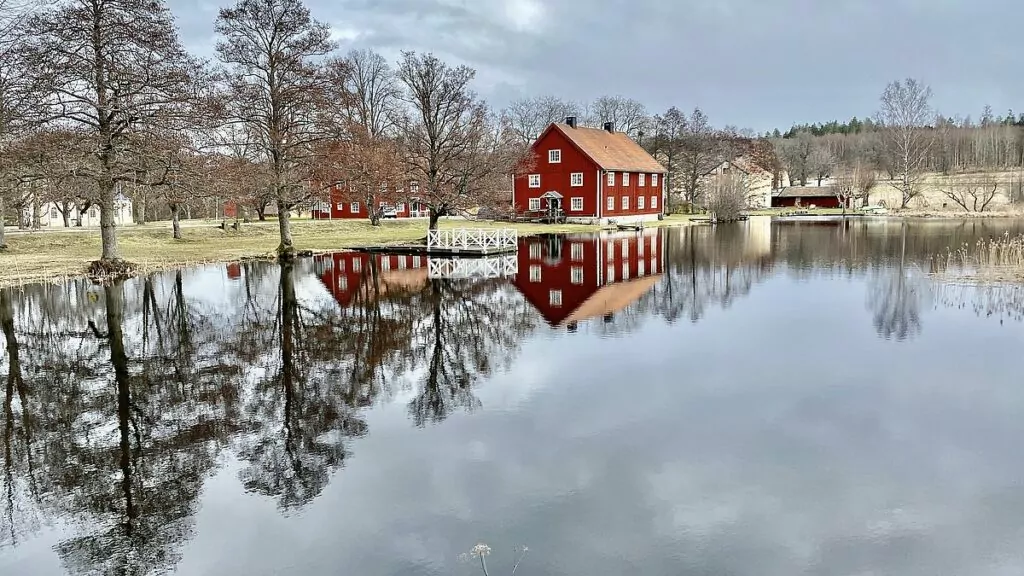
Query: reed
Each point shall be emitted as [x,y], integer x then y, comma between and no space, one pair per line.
[990,259]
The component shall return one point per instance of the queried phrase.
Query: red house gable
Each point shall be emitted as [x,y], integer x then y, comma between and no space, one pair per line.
[570,279]
[589,173]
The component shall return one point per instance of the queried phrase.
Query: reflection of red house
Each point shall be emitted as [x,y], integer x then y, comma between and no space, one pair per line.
[234,271]
[357,276]
[569,279]
[344,204]
[587,173]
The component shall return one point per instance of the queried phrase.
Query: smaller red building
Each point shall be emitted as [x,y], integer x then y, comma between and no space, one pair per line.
[570,279]
[589,175]
[344,204]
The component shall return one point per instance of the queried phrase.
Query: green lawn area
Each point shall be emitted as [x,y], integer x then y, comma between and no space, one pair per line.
[46,256]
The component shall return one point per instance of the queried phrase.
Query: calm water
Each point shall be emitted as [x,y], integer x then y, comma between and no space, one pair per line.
[754,400]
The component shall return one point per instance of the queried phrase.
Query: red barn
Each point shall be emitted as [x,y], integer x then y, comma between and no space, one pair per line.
[569,279]
[797,196]
[588,175]
[344,204]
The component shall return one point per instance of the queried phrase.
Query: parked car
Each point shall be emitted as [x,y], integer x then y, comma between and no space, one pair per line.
[389,212]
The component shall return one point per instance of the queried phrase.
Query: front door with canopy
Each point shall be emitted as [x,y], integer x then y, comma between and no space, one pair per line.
[554,206]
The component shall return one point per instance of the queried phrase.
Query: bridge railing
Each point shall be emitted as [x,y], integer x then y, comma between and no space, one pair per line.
[486,267]
[468,238]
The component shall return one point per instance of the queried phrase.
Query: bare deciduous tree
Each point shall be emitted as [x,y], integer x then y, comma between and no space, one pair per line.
[628,115]
[458,157]
[973,194]
[371,91]
[822,162]
[796,154]
[277,88]
[702,148]
[905,116]
[727,197]
[115,69]
[528,117]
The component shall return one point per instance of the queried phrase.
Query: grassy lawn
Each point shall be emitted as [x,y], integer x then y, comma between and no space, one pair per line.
[53,256]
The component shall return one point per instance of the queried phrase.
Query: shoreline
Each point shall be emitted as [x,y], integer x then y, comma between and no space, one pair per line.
[52,257]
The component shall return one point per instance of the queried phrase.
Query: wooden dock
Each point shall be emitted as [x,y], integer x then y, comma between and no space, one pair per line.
[462,242]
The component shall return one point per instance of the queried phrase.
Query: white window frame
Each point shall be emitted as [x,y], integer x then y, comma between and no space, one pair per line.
[625,178]
[385,263]
[576,204]
[400,207]
[341,206]
[625,202]
[641,180]
[417,262]
[611,179]
[576,179]
[625,270]
[640,268]
[535,273]
[343,283]
[640,246]
[625,248]
[576,275]
[576,251]
[654,180]
[554,156]
[534,204]
[641,202]
[536,251]
[611,203]
[353,207]
[534,180]
[357,265]
[610,274]
[654,202]
[555,298]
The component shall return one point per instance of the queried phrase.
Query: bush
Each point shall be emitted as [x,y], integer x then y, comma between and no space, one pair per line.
[727,199]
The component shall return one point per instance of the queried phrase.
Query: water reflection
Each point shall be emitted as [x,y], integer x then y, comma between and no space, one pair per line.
[121,402]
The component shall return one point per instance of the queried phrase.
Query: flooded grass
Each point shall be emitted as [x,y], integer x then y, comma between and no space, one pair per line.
[998,259]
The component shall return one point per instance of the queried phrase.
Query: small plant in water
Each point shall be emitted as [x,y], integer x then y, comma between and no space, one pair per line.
[482,551]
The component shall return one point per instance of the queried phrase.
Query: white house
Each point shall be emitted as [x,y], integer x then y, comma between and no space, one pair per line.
[50,216]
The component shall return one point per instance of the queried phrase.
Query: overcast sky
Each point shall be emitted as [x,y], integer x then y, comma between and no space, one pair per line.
[758,64]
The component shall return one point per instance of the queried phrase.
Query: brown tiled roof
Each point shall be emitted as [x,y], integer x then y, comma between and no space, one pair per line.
[806,192]
[611,150]
[612,298]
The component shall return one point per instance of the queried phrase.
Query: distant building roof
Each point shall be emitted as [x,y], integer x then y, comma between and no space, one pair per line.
[806,192]
[611,150]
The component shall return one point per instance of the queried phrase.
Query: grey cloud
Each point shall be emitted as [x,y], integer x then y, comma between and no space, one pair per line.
[753,63]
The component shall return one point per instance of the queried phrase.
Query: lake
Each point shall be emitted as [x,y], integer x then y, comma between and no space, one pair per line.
[753,399]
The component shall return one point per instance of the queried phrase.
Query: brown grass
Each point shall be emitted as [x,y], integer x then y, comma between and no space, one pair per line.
[998,259]
[56,256]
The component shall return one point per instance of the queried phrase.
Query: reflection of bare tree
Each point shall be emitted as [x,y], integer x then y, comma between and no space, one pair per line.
[895,298]
[300,422]
[17,435]
[467,329]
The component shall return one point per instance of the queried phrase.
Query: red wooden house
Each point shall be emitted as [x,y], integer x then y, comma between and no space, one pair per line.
[344,204]
[570,279]
[589,174]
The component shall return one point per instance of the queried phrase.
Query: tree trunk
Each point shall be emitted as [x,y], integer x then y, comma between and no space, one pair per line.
[261,212]
[108,226]
[435,216]
[65,215]
[284,222]
[3,232]
[175,223]
[141,209]
[37,219]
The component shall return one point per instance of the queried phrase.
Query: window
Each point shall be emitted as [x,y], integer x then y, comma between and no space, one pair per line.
[576,274]
[534,273]
[625,248]
[385,263]
[611,203]
[577,204]
[576,179]
[93,213]
[640,202]
[640,248]
[416,262]
[654,201]
[640,268]
[625,270]
[611,178]
[554,156]
[534,180]
[610,274]
[414,188]
[53,214]
[641,180]
[654,245]
[576,250]
[654,266]
[534,204]
[654,180]
[401,207]
[357,265]
[354,207]
[535,251]
[341,266]
[555,297]
[342,283]
[341,206]
[625,202]
[625,178]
